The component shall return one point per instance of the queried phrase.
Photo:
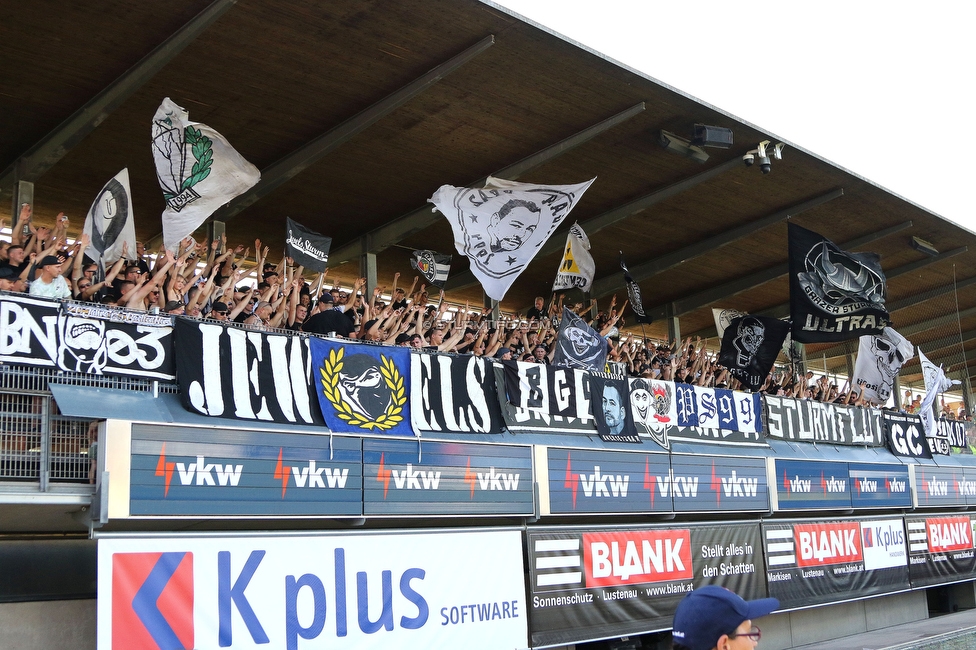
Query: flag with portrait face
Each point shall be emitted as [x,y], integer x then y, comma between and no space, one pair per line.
[750,346]
[578,345]
[502,226]
[433,266]
[879,358]
[197,170]
[610,401]
[110,223]
[576,269]
[835,295]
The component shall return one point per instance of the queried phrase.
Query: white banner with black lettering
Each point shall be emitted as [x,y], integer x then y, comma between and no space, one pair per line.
[808,421]
[85,338]
[455,394]
[231,372]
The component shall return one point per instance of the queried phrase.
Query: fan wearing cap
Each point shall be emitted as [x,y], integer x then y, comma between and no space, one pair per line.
[50,283]
[714,618]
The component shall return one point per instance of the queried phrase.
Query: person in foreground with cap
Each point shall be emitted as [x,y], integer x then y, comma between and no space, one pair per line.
[50,283]
[714,618]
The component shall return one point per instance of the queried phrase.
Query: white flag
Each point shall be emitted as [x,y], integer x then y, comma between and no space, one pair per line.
[502,226]
[935,382]
[723,317]
[197,169]
[109,224]
[576,269]
[879,358]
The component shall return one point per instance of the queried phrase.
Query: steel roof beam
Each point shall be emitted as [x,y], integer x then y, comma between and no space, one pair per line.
[598,223]
[423,217]
[56,144]
[709,296]
[611,283]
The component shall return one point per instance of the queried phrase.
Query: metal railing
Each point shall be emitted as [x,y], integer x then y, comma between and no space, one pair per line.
[37,442]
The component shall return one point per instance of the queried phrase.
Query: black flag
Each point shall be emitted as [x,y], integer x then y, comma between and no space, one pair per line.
[307,248]
[610,404]
[750,347]
[433,266]
[834,295]
[634,294]
[579,345]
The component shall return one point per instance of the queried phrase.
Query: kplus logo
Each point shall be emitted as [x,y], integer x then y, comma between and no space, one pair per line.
[152,601]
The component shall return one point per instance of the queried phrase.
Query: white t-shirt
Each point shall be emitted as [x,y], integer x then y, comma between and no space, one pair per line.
[57,289]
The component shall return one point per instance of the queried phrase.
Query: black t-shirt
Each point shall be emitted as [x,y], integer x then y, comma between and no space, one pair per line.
[327,321]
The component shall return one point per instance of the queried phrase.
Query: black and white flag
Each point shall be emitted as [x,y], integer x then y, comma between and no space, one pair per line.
[834,295]
[936,382]
[576,269]
[579,345]
[307,248]
[197,169]
[725,316]
[879,358]
[433,266]
[750,346]
[634,294]
[502,226]
[109,224]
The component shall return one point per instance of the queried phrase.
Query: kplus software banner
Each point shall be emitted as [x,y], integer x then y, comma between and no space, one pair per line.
[404,591]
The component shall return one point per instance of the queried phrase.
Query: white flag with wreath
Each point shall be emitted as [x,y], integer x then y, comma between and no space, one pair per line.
[197,169]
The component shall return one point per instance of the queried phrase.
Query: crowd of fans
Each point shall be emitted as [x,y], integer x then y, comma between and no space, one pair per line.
[209,281]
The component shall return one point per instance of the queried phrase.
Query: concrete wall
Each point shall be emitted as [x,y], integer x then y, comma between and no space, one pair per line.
[48,624]
[781,631]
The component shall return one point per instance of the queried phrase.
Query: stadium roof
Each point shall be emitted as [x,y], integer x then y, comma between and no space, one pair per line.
[357,111]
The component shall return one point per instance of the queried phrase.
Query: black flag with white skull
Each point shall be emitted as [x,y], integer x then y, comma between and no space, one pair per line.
[579,345]
[750,347]
[835,295]
[306,247]
[634,294]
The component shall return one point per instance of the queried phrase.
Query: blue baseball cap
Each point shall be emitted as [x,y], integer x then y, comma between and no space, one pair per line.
[711,611]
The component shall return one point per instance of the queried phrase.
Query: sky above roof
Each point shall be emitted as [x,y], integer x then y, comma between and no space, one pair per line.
[882,89]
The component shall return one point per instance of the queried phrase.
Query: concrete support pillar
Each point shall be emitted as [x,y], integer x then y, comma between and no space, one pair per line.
[216,230]
[896,389]
[367,269]
[23,192]
[674,327]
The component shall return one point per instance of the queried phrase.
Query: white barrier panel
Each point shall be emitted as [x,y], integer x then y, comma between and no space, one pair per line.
[399,590]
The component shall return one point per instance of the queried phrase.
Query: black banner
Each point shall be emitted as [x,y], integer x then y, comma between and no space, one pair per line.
[244,374]
[519,419]
[597,583]
[834,295]
[836,424]
[456,394]
[85,338]
[940,549]
[433,266]
[904,435]
[750,347]
[611,411]
[954,431]
[634,294]
[811,562]
[306,247]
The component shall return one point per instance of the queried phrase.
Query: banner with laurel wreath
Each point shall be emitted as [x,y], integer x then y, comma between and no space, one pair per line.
[362,388]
